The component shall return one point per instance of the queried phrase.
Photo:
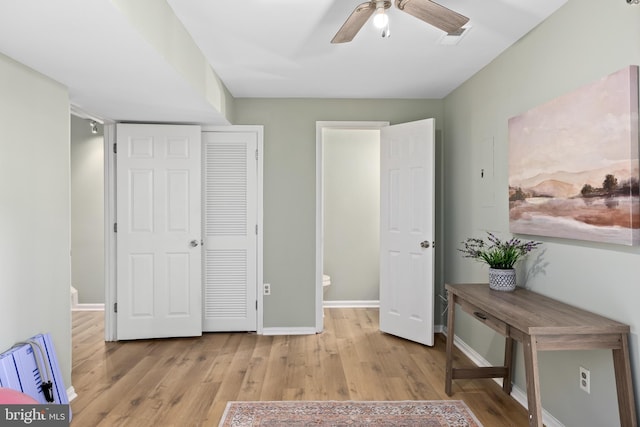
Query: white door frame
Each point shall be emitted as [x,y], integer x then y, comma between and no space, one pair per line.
[320,126]
[110,331]
[110,272]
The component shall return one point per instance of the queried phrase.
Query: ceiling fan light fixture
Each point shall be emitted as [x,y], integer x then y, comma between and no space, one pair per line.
[381,20]
[385,32]
[426,10]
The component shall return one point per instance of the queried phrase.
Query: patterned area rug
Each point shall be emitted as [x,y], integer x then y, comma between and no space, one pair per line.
[429,413]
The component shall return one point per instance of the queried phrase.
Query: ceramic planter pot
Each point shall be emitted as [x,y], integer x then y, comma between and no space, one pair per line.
[502,280]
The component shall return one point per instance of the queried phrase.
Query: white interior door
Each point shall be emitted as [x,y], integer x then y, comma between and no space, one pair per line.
[406,228]
[231,233]
[159,267]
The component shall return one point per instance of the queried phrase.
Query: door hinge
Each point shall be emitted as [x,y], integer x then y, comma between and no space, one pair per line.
[115,227]
[256,304]
[256,154]
[256,229]
[115,148]
[115,307]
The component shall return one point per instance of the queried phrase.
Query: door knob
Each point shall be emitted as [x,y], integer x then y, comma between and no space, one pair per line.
[193,243]
[424,244]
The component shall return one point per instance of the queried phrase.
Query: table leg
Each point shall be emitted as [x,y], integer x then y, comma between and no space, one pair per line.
[624,385]
[451,309]
[508,363]
[533,381]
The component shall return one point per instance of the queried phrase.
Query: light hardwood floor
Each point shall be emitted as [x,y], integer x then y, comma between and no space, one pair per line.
[188,381]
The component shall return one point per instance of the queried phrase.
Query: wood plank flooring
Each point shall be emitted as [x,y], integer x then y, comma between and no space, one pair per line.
[188,381]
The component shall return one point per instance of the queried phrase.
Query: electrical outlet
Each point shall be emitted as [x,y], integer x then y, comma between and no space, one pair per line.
[585,380]
[267,289]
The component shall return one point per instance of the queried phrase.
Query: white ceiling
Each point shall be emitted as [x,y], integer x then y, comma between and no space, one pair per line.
[259,48]
[281,48]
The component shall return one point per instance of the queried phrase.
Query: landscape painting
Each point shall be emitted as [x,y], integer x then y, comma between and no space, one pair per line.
[573,164]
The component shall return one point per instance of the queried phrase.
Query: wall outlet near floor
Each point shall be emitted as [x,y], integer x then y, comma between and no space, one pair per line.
[585,380]
[267,289]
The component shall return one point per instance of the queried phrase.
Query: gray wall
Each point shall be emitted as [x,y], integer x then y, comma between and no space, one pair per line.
[582,42]
[289,188]
[351,161]
[34,211]
[87,211]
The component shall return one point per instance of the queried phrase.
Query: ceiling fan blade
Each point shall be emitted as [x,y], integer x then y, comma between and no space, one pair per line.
[354,22]
[434,14]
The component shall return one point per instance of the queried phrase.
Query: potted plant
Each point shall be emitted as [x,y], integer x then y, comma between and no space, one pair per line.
[500,255]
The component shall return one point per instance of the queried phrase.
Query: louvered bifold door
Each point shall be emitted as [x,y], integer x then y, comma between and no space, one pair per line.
[230,260]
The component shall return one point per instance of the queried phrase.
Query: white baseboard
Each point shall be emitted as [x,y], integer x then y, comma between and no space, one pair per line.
[71,393]
[351,304]
[74,297]
[516,392]
[87,307]
[289,331]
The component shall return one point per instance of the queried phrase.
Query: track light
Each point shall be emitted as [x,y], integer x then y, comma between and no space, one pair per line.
[633,1]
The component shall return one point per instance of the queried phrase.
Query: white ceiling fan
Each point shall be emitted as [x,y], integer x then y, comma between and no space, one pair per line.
[430,12]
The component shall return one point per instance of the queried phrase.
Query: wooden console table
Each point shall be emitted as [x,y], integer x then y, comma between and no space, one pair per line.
[539,323]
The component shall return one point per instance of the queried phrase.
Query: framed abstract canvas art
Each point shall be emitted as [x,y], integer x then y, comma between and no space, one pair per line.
[573,164]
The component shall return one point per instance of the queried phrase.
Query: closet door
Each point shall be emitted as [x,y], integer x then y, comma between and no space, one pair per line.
[230,229]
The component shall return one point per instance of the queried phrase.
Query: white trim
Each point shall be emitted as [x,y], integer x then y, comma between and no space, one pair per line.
[110,319]
[259,129]
[76,306]
[74,297]
[351,304]
[516,392]
[71,394]
[88,307]
[320,125]
[81,113]
[289,331]
[521,397]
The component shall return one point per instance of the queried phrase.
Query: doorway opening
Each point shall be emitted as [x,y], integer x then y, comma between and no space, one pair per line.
[87,212]
[343,151]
